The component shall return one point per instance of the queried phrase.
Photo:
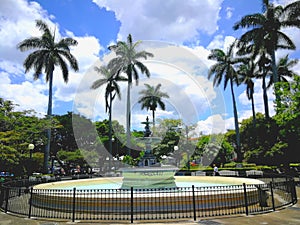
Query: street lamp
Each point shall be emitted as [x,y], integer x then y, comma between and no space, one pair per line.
[30,147]
[175,151]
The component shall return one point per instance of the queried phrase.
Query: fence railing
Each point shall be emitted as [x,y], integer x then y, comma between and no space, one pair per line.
[147,204]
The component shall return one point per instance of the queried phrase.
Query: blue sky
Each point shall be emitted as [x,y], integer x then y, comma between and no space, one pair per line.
[179,33]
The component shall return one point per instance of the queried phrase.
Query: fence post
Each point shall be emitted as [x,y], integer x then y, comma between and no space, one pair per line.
[272,196]
[30,202]
[246,199]
[293,191]
[1,195]
[131,204]
[194,203]
[74,205]
[6,199]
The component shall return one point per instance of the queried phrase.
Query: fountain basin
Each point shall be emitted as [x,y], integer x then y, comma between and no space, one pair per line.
[221,192]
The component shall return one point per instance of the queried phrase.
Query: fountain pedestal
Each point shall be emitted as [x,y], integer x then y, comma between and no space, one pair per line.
[149,173]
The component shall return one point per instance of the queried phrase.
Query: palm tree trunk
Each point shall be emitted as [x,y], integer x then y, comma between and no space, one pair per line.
[153,118]
[265,96]
[275,78]
[128,115]
[49,116]
[236,123]
[253,110]
[110,130]
[274,69]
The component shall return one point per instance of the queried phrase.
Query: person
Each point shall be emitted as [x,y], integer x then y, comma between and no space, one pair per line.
[216,170]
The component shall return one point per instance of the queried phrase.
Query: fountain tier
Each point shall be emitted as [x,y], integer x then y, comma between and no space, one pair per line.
[149,177]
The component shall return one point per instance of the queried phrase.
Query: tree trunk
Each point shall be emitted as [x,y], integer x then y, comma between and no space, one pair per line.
[253,110]
[153,118]
[128,115]
[236,124]
[110,130]
[49,117]
[265,96]
[275,78]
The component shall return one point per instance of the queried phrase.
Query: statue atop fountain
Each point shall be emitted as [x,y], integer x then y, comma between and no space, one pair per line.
[149,173]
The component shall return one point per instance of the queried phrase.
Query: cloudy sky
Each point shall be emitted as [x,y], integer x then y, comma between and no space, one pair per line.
[180,34]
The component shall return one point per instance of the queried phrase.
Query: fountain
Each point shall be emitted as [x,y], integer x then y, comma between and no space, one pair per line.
[149,173]
[149,187]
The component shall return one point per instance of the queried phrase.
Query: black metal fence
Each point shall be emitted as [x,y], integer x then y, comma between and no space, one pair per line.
[147,204]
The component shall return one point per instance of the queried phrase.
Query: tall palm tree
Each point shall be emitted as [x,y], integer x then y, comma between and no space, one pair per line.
[127,60]
[110,78]
[266,29]
[224,69]
[264,65]
[259,54]
[47,55]
[152,98]
[248,72]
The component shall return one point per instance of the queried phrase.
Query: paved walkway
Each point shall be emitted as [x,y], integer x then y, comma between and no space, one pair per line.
[286,216]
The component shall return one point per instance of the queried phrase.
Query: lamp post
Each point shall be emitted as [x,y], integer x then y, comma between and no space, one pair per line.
[30,147]
[52,164]
[108,164]
[175,150]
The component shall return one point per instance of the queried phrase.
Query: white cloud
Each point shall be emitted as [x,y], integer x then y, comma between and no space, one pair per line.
[212,124]
[26,95]
[221,42]
[17,23]
[164,20]
[229,12]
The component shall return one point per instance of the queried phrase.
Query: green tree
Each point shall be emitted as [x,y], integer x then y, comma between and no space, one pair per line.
[213,149]
[288,118]
[152,98]
[170,134]
[224,69]
[127,60]
[260,142]
[47,55]
[18,131]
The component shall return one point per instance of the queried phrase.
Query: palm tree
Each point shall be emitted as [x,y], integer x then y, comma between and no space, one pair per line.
[152,98]
[248,72]
[224,69]
[127,60]
[110,78]
[259,53]
[264,65]
[47,55]
[267,26]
